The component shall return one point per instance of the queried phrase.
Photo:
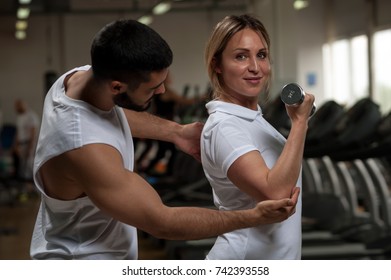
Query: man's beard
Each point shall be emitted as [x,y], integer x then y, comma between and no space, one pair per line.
[124,101]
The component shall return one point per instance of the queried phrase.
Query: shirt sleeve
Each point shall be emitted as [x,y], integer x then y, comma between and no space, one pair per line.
[230,142]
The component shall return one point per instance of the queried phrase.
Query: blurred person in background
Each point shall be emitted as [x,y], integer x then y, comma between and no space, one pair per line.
[27,127]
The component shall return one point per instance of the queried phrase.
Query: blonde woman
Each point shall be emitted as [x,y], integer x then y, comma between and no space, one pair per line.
[244,158]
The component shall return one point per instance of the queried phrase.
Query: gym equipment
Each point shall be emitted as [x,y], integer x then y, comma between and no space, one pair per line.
[274,112]
[322,124]
[361,229]
[377,146]
[325,204]
[293,95]
[379,171]
[348,204]
[187,185]
[354,130]
[346,180]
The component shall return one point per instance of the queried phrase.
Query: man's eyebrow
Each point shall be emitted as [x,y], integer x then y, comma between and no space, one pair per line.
[155,87]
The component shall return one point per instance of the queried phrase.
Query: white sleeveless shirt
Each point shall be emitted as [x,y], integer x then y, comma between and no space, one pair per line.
[77,229]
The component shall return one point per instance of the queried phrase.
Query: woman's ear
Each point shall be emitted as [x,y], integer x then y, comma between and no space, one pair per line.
[215,66]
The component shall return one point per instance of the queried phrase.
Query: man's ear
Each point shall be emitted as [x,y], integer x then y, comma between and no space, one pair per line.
[116,87]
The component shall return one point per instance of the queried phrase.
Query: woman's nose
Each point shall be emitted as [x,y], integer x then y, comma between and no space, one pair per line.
[253,66]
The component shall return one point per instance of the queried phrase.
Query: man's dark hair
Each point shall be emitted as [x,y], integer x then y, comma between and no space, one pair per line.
[128,51]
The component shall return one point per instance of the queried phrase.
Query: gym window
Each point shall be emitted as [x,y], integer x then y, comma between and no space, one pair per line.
[346,70]
[382,62]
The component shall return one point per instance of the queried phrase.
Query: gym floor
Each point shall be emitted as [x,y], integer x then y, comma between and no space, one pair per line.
[16,225]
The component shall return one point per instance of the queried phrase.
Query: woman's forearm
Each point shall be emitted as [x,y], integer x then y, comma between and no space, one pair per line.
[287,169]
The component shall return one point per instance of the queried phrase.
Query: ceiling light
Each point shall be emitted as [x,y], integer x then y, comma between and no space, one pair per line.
[147,20]
[20,34]
[24,2]
[21,25]
[23,13]
[162,8]
[300,4]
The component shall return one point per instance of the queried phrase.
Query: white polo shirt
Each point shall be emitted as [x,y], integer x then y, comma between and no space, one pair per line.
[230,132]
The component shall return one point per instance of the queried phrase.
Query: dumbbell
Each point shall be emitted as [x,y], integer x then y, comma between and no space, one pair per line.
[293,95]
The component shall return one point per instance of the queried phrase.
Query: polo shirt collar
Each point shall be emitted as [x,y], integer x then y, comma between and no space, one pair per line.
[233,109]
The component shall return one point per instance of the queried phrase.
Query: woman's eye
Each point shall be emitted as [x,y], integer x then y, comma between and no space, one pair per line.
[262,55]
[241,57]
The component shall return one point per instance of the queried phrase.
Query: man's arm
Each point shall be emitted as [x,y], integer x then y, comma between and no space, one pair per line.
[185,137]
[124,195]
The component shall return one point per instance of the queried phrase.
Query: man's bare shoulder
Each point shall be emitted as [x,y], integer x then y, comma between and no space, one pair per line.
[64,176]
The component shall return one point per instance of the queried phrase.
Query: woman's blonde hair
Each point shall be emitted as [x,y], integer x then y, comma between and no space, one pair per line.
[222,33]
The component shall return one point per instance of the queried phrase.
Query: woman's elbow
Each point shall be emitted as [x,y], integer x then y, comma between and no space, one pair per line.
[278,193]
